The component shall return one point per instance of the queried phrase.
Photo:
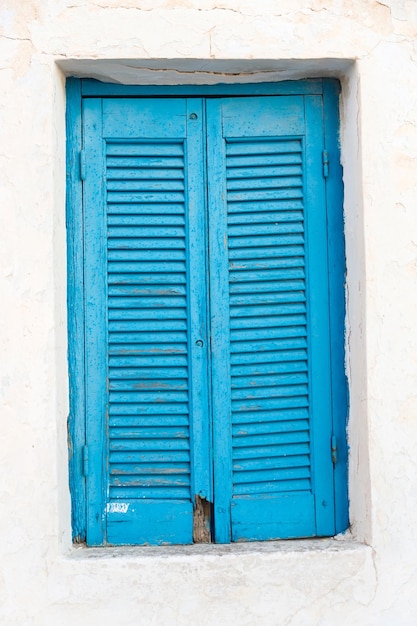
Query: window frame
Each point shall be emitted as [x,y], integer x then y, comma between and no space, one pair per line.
[77,89]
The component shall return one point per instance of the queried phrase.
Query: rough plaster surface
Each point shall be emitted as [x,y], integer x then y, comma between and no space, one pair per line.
[370,577]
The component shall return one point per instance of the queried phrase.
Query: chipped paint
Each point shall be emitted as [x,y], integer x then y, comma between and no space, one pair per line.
[117,507]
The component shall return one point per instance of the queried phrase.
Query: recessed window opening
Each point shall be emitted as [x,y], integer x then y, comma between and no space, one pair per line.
[206,313]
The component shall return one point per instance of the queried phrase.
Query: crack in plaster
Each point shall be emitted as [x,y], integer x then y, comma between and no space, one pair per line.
[202,72]
[15,38]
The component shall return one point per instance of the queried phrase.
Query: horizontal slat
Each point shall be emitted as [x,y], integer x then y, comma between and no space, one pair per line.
[143,162]
[262,439]
[263,194]
[261,184]
[174,360]
[146,279]
[147,337]
[273,204]
[150,456]
[156,197]
[148,420]
[149,409]
[253,370]
[141,221]
[144,186]
[265,456]
[147,325]
[261,275]
[145,209]
[138,445]
[150,313]
[158,149]
[154,469]
[286,486]
[136,243]
[133,256]
[258,311]
[139,397]
[149,385]
[264,217]
[151,349]
[148,433]
[173,480]
[293,343]
[270,332]
[151,493]
[249,406]
[145,374]
[265,241]
[240,267]
[140,232]
[257,417]
[295,461]
[265,252]
[262,170]
[137,173]
[121,302]
[146,290]
[267,322]
[243,383]
[272,356]
[158,267]
[271,427]
[267,286]
[263,160]
[266,393]
[265,228]
[265,146]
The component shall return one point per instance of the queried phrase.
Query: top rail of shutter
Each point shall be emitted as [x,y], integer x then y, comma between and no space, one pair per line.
[94,88]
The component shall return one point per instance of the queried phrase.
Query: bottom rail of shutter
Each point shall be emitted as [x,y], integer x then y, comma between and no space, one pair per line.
[150,522]
[266,517]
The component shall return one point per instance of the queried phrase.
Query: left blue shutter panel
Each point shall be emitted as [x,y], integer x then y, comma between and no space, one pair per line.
[137,322]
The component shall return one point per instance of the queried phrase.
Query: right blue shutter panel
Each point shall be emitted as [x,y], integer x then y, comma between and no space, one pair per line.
[270,317]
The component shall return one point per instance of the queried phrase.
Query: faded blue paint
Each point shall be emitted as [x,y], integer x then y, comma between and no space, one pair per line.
[222,337]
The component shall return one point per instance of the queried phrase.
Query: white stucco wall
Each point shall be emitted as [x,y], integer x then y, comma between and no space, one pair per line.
[368,577]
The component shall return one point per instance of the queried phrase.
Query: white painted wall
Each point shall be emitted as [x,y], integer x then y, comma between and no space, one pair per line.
[367,578]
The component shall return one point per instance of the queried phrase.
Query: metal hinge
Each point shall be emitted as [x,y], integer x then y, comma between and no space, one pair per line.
[325,163]
[85,460]
[334,450]
[82,165]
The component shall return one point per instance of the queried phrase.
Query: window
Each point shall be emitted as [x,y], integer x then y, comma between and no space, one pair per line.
[206,263]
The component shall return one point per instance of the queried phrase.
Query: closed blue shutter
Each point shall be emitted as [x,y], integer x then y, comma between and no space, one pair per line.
[141,285]
[208,365]
[271,355]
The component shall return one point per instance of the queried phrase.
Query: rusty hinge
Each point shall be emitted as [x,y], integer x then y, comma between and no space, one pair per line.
[325,163]
[334,450]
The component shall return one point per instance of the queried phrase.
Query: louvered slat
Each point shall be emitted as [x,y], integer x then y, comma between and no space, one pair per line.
[267,456]
[149,448]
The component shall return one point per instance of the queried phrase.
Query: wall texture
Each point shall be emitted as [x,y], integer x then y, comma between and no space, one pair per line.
[368,576]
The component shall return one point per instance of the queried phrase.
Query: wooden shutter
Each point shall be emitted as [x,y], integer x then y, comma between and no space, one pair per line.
[145,304]
[270,338]
[192,340]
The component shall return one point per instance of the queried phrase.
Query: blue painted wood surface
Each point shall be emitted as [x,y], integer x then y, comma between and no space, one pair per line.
[207,316]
